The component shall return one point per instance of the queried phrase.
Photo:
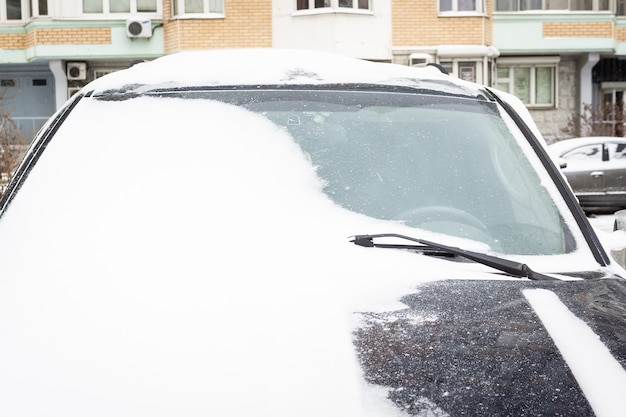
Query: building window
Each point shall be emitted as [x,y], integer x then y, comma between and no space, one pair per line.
[333,4]
[468,70]
[12,10]
[355,4]
[533,84]
[40,7]
[571,5]
[182,7]
[589,5]
[460,6]
[465,70]
[120,6]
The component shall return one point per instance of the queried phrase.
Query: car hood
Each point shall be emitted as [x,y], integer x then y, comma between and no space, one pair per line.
[493,348]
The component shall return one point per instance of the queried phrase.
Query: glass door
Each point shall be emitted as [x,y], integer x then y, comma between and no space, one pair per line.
[612,107]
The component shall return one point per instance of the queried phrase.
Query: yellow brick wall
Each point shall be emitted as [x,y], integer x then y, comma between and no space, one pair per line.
[417,23]
[12,41]
[620,34]
[578,30]
[488,23]
[247,24]
[68,36]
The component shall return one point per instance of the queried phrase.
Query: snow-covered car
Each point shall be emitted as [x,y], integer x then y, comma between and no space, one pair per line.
[595,167]
[289,233]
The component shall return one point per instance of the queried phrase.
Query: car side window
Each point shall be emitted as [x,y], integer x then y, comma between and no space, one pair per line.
[617,151]
[587,152]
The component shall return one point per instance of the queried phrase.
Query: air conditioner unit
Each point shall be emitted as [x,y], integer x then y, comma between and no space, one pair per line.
[139,28]
[76,70]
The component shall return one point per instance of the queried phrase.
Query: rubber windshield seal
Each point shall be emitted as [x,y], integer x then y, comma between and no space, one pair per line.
[34,152]
[591,238]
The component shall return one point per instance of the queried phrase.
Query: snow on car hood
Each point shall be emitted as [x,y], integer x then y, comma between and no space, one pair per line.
[171,266]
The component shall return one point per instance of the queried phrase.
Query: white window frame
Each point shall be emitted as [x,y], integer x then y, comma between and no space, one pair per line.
[568,7]
[479,67]
[25,10]
[133,9]
[334,7]
[595,7]
[479,9]
[35,8]
[533,63]
[179,6]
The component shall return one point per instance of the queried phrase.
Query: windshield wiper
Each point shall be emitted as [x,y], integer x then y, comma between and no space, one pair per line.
[514,268]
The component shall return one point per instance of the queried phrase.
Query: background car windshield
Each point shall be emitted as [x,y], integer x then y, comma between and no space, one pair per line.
[444,164]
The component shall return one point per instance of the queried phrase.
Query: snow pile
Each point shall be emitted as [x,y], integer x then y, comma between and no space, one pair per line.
[187,268]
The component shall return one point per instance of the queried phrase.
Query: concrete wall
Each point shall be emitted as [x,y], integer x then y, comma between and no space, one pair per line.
[357,33]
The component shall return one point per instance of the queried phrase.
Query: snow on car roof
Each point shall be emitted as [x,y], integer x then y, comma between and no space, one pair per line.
[560,147]
[274,67]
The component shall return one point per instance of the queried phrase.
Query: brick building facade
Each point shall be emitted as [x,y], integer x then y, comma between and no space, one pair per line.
[555,60]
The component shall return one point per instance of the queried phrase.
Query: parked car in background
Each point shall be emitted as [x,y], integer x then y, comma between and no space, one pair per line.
[595,167]
[290,233]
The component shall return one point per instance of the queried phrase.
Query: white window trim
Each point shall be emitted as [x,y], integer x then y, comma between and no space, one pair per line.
[199,16]
[480,10]
[334,8]
[461,14]
[35,9]
[534,63]
[204,15]
[478,63]
[595,9]
[133,10]
[25,12]
[544,60]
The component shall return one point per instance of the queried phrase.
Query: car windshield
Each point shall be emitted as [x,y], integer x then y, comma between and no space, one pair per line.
[440,163]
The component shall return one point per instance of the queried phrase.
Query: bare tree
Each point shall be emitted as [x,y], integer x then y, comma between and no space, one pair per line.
[607,121]
[11,148]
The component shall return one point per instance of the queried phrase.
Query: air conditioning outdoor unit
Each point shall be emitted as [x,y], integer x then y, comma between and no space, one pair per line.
[76,70]
[139,28]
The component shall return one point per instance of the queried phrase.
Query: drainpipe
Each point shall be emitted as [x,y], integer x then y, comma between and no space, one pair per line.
[60,82]
[586,84]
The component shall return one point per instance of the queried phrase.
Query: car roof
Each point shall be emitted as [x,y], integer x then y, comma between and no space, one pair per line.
[565,145]
[214,68]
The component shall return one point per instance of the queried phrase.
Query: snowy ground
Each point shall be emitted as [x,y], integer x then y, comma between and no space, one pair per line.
[602,222]
[612,241]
